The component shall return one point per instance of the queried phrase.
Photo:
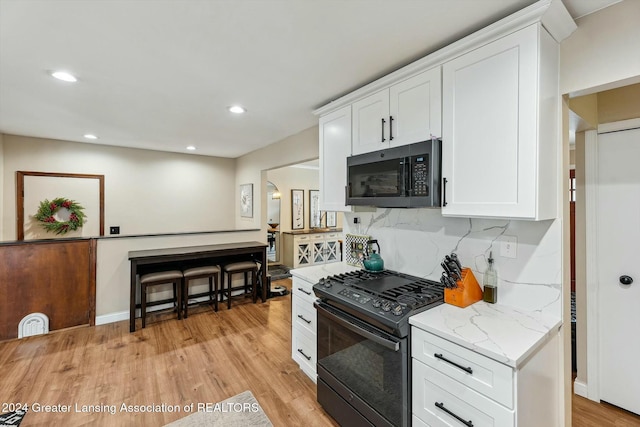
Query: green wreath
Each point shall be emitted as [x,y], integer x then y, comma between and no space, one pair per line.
[48,209]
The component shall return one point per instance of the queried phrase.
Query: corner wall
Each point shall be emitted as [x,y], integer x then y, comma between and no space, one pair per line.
[603,50]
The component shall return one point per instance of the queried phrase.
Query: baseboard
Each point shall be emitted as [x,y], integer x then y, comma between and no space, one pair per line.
[124,315]
[112,318]
[580,388]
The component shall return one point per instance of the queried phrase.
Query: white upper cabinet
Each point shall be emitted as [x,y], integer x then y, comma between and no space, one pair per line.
[415,109]
[500,128]
[370,123]
[407,112]
[335,147]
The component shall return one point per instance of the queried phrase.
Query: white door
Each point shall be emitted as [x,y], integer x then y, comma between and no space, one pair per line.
[619,255]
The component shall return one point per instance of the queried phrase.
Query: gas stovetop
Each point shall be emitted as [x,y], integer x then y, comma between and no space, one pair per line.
[385,299]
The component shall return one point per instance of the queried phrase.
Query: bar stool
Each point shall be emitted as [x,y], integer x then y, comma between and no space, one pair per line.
[210,272]
[161,278]
[244,267]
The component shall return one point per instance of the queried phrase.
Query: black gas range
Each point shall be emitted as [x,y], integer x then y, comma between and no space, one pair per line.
[385,299]
[363,344]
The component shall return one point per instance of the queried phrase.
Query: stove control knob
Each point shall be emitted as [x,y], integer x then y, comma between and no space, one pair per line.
[376,303]
[386,306]
[397,310]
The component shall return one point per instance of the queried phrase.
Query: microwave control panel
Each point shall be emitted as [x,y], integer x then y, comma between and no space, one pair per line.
[420,175]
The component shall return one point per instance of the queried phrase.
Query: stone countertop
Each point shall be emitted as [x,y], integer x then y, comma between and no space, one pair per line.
[502,333]
[314,273]
[314,231]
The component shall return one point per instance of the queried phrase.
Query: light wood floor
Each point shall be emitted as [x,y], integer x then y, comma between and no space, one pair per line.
[203,359]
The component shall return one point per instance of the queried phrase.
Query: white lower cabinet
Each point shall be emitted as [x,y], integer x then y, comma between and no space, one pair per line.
[455,386]
[303,326]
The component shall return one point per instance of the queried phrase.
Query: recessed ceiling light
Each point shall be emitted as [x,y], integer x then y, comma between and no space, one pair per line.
[237,109]
[64,76]
[90,136]
[191,148]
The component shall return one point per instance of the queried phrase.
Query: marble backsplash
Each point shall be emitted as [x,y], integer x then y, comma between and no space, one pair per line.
[414,241]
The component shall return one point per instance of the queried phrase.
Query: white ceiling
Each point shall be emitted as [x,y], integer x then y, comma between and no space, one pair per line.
[159,74]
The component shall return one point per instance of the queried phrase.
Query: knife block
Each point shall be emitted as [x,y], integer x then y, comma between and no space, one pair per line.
[467,292]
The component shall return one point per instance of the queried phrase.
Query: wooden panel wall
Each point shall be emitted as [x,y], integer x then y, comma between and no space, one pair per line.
[57,278]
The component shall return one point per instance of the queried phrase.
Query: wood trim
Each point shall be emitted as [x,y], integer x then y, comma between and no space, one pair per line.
[591,222]
[20,195]
[618,126]
[93,262]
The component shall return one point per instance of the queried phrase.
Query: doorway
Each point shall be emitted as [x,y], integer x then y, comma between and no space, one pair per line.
[273,223]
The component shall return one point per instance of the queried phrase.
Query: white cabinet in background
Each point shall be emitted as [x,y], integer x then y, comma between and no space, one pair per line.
[335,147]
[500,128]
[407,112]
[302,250]
[303,326]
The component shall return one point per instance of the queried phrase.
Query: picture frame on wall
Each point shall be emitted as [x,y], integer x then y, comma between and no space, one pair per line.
[297,209]
[246,200]
[331,219]
[315,217]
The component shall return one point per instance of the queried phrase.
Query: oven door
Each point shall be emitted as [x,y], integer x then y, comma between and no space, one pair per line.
[363,368]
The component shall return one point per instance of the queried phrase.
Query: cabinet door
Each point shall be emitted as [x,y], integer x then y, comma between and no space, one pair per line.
[371,123]
[304,252]
[335,147]
[489,151]
[415,109]
[332,250]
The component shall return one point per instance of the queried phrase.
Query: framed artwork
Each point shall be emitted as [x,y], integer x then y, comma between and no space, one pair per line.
[297,209]
[331,218]
[315,220]
[246,200]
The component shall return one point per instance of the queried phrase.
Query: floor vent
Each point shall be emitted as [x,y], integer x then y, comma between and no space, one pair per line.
[33,324]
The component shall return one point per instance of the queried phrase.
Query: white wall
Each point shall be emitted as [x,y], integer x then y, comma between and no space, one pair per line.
[252,167]
[603,50]
[289,178]
[146,192]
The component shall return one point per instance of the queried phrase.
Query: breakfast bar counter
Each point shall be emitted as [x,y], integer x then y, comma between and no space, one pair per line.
[224,252]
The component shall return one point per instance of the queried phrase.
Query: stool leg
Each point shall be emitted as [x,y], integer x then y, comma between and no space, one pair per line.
[179,286]
[215,290]
[254,284]
[143,304]
[246,283]
[229,275]
[185,297]
[210,289]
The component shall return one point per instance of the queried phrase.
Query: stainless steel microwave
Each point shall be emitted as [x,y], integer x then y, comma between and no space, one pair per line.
[408,176]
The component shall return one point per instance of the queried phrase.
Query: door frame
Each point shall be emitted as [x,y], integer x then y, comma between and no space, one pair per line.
[20,195]
[592,389]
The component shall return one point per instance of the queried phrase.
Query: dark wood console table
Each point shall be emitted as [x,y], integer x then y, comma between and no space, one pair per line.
[148,258]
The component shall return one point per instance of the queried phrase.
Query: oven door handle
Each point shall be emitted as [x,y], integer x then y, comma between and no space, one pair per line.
[330,314]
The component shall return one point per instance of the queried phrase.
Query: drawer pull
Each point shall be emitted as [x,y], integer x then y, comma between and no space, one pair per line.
[302,317]
[303,291]
[441,406]
[441,357]
[302,353]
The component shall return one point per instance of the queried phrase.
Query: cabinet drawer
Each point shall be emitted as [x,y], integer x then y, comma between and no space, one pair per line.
[486,376]
[317,237]
[434,394]
[303,289]
[303,315]
[303,351]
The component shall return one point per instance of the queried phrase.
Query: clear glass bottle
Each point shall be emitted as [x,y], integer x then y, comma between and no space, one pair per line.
[490,282]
